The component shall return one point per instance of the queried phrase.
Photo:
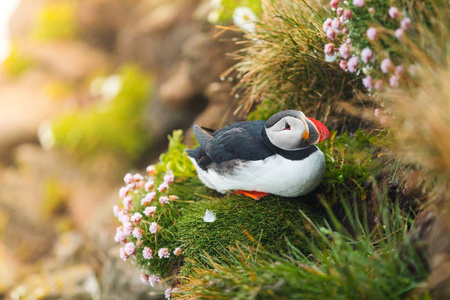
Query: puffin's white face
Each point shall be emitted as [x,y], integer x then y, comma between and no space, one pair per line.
[290,130]
[289,133]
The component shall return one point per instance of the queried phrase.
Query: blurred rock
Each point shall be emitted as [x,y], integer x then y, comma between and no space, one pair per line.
[121,280]
[72,282]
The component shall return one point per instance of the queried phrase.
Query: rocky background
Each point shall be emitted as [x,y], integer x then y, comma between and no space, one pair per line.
[56,225]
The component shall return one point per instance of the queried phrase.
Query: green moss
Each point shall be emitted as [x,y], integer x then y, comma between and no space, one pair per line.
[227,7]
[56,20]
[175,159]
[265,224]
[16,63]
[114,128]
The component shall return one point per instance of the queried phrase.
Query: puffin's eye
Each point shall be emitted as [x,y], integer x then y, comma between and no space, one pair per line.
[287,126]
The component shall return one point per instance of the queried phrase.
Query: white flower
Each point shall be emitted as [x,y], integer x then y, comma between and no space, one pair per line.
[245,18]
[209,216]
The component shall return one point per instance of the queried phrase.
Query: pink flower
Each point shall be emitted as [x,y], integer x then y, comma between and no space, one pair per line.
[336,25]
[169,291]
[359,3]
[120,236]
[405,23]
[123,218]
[393,12]
[148,198]
[367,82]
[366,55]
[136,217]
[147,253]
[329,49]
[344,51]
[129,248]
[352,64]
[149,211]
[163,200]
[149,185]
[151,170]
[386,65]
[127,202]
[399,71]
[163,253]
[123,192]
[177,251]
[153,280]
[122,254]
[372,33]
[334,4]
[339,11]
[144,278]
[394,81]
[137,177]
[331,34]
[128,178]
[116,210]
[379,85]
[371,10]
[127,228]
[327,24]
[345,30]
[137,233]
[163,186]
[399,32]
[343,64]
[347,14]
[169,178]
[154,228]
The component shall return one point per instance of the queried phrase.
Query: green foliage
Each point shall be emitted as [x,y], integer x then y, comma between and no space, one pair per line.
[16,63]
[377,264]
[56,20]
[226,8]
[112,128]
[351,162]
[283,64]
[175,158]
[264,224]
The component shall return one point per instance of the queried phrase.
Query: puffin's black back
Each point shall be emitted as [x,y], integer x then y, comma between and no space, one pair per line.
[240,140]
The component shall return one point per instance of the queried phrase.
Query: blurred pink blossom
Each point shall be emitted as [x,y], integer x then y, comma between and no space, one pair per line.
[334,4]
[372,33]
[378,85]
[331,34]
[352,64]
[368,82]
[344,51]
[343,64]
[136,217]
[169,178]
[348,14]
[127,202]
[147,253]
[359,3]
[366,55]
[127,228]
[386,65]
[137,233]
[405,23]
[177,251]
[151,170]
[394,81]
[163,186]
[153,280]
[393,12]
[329,49]
[399,71]
[148,198]
[149,185]
[122,254]
[116,210]
[336,24]
[128,178]
[120,236]
[129,248]
[399,32]
[144,279]
[340,11]
[371,10]
[327,24]
[154,228]
[163,253]
[149,210]
[163,200]
[137,177]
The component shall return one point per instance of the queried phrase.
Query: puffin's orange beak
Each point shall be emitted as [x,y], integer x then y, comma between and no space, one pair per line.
[323,132]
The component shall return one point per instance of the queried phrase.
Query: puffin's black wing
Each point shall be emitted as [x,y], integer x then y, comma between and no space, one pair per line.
[240,140]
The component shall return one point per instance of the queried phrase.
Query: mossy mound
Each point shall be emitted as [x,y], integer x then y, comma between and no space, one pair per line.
[265,224]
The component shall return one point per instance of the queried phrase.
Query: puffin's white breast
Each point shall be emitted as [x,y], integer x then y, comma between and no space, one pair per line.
[275,175]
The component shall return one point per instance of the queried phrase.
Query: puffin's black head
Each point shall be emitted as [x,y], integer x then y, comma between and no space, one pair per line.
[291,130]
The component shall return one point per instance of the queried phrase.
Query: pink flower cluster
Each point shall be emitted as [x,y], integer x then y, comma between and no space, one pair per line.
[140,198]
[352,59]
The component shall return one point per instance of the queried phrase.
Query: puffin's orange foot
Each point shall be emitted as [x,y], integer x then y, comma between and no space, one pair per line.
[252,194]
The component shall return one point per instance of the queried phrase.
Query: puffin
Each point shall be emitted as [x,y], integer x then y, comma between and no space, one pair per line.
[257,158]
